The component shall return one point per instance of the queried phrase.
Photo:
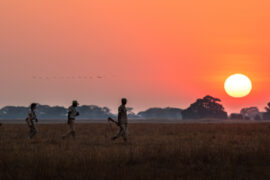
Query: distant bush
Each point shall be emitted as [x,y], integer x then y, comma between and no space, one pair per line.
[207,107]
[236,116]
[161,113]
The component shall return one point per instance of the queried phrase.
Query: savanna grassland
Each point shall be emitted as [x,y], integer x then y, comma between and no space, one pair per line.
[154,151]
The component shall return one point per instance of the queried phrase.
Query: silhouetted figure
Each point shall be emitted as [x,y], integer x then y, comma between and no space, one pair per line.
[72,114]
[31,119]
[122,120]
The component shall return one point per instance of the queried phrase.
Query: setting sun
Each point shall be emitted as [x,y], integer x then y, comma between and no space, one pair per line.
[238,85]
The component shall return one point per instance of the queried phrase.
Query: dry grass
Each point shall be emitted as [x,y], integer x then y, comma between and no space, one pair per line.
[154,151]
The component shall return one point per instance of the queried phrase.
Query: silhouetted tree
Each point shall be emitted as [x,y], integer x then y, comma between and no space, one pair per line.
[266,115]
[208,107]
[131,114]
[252,113]
[161,113]
[14,112]
[267,108]
[93,112]
[48,112]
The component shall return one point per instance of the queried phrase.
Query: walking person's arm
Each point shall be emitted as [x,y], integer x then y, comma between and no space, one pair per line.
[28,120]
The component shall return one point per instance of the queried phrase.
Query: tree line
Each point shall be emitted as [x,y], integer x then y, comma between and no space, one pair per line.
[87,112]
[206,107]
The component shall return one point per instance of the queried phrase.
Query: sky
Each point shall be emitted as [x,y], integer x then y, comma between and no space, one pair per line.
[156,53]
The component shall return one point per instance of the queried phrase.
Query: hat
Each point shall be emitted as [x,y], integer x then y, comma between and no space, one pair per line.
[75,102]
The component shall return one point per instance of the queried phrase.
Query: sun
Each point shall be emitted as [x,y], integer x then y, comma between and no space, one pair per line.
[238,85]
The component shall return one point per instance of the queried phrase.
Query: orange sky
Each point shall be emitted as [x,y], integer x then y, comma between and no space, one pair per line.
[154,52]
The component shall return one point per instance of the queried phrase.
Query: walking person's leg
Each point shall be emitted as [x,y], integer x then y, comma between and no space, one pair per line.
[33,131]
[72,128]
[30,132]
[119,133]
[124,132]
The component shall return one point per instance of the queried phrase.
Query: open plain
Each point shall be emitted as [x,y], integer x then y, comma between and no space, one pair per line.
[154,151]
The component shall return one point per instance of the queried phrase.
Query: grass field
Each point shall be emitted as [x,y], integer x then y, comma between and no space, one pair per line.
[154,151]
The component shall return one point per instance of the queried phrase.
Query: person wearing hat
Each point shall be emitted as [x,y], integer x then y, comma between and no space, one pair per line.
[122,120]
[72,114]
[31,119]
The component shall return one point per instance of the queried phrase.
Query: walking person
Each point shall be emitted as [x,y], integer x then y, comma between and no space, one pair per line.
[31,119]
[122,120]
[72,114]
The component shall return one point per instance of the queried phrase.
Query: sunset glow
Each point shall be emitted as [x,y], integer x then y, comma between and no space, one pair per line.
[155,53]
[238,85]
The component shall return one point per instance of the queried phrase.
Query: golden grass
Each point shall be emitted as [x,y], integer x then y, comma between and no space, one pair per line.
[154,151]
